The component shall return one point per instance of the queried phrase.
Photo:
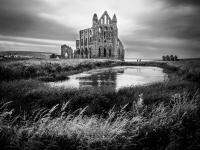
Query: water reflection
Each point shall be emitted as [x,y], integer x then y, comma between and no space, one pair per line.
[101,78]
[115,77]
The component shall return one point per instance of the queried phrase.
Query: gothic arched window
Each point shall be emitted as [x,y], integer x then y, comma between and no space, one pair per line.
[99,52]
[90,53]
[109,52]
[86,52]
[105,19]
[104,52]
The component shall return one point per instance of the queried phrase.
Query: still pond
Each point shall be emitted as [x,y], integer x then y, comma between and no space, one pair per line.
[114,77]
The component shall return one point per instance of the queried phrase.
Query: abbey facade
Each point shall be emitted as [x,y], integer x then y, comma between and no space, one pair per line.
[101,40]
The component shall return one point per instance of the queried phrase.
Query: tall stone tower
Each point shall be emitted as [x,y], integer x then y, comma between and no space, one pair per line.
[101,40]
[95,20]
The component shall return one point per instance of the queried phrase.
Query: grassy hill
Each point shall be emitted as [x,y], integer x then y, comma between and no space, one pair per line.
[27,54]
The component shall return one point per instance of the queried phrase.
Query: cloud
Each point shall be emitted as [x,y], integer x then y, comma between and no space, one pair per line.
[181,23]
[170,29]
[184,2]
[8,43]
[21,18]
[35,40]
[148,28]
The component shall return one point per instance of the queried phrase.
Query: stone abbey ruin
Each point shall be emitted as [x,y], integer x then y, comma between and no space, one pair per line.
[99,41]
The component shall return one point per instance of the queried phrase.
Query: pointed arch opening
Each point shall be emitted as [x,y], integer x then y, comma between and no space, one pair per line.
[99,52]
[110,53]
[104,52]
[90,53]
[86,52]
[105,19]
[82,55]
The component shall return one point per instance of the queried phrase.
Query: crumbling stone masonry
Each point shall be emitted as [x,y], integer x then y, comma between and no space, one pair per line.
[66,52]
[99,41]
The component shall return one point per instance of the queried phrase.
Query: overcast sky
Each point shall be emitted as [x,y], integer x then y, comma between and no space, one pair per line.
[147,28]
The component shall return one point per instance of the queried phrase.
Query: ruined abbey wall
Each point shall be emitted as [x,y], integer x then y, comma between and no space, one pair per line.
[66,52]
[101,40]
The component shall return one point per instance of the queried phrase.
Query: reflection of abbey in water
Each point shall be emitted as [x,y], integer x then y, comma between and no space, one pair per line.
[99,41]
[101,79]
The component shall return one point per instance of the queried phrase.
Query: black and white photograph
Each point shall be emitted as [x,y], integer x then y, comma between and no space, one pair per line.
[99,74]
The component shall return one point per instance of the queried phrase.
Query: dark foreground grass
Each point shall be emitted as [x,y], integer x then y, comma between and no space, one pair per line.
[164,126]
[28,95]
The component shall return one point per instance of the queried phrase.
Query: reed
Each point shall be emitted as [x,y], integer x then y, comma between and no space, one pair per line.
[119,130]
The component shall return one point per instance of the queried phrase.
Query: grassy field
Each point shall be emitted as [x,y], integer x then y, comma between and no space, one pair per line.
[54,70]
[36,116]
[48,69]
[23,55]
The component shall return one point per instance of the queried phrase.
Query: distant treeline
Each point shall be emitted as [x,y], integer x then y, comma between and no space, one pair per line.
[170,58]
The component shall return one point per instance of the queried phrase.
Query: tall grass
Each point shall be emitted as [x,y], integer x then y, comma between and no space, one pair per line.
[47,70]
[27,95]
[119,130]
